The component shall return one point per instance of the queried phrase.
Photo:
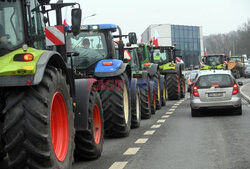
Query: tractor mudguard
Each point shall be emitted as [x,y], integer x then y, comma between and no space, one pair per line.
[133,86]
[175,70]
[153,70]
[47,57]
[82,90]
[115,68]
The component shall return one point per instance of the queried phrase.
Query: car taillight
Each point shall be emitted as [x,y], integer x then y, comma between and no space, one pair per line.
[235,89]
[110,63]
[195,91]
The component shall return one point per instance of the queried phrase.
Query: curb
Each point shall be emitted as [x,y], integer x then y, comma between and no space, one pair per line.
[247,98]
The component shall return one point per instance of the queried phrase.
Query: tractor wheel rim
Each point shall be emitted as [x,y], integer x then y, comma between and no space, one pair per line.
[125,103]
[59,126]
[164,93]
[154,100]
[179,84]
[97,125]
[183,87]
[137,107]
[159,91]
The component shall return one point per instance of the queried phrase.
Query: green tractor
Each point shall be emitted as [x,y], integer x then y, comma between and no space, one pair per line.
[171,67]
[214,61]
[146,87]
[146,63]
[39,117]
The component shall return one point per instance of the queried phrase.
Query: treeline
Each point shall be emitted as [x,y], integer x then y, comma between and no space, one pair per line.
[238,42]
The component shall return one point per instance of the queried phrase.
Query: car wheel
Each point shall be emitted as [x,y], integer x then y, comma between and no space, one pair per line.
[195,113]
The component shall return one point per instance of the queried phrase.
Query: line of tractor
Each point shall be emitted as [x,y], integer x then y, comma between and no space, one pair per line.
[63,89]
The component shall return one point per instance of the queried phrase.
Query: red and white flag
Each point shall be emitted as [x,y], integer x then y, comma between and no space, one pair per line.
[205,52]
[230,53]
[65,17]
[139,40]
[155,39]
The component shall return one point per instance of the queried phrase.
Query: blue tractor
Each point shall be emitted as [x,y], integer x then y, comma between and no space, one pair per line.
[93,61]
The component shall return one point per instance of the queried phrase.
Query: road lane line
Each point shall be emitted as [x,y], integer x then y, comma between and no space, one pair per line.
[155,126]
[161,121]
[177,104]
[149,132]
[165,117]
[141,140]
[131,151]
[174,107]
[168,113]
[171,109]
[118,165]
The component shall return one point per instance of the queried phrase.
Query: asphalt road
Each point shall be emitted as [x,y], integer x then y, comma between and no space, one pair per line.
[218,140]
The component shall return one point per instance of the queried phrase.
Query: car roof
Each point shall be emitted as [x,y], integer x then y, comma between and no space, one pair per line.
[214,71]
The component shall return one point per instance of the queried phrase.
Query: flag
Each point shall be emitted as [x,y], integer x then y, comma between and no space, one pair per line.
[230,53]
[155,39]
[205,52]
[139,40]
[65,17]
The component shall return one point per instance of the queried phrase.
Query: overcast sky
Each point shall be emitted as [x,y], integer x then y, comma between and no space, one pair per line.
[215,16]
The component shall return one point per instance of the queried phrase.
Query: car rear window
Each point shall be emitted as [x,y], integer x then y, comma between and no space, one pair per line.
[218,80]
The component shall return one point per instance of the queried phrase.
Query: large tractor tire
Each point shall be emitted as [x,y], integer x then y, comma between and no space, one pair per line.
[173,81]
[157,90]
[89,143]
[39,124]
[163,94]
[145,101]
[152,95]
[136,110]
[116,108]
[183,87]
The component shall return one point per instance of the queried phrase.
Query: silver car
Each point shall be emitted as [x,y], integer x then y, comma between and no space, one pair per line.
[215,89]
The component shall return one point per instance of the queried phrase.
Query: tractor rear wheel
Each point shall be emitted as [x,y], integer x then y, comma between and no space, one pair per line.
[89,143]
[152,95]
[163,95]
[136,111]
[39,126]
[116,108]
[183,87]
[158,92]
[145,102]
[173,81]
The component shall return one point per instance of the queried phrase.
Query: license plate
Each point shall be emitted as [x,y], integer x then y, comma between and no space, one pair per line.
[215,94]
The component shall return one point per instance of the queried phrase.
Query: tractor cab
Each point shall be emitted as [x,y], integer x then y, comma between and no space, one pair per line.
[217,61]
[163,54]
[93,44]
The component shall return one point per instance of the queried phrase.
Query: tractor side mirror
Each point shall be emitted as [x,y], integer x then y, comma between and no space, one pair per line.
[132,38]
[76,17]
[203,60]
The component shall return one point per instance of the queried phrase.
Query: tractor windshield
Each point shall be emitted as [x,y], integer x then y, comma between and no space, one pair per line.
[161,57]
[214,60]
[91,46]
[11,26]
[236,59]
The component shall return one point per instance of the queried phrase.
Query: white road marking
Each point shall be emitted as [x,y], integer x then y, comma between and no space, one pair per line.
[183,100]
[161,121]
[165,117]
[168,113]
[118,165]
[171,109]
[149,132]
[177,104]
[174,107]
[156,126]
[131,151]
[141,140]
